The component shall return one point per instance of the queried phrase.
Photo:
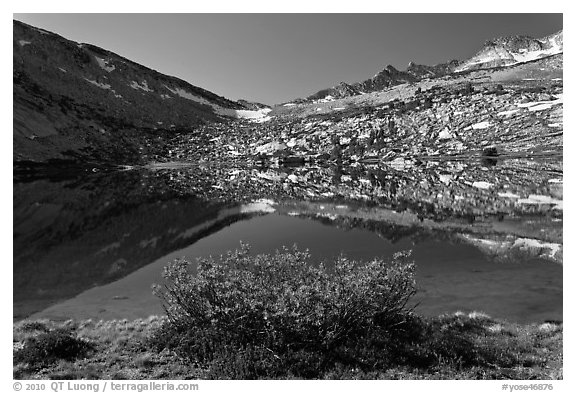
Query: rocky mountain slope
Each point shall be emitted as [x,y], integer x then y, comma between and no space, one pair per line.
[82,102]
[386,78]
[502,51]
[506,51]
[74,99]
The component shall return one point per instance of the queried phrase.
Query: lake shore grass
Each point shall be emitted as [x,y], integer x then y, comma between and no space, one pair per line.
[120,349]
[276,316]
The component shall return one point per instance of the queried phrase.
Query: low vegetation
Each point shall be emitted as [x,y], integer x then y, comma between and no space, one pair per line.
[283,317]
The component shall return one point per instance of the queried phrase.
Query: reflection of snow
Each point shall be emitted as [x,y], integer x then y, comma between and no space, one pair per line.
[503,246]
[533,243]
[149,242]
[508,194]
[270,176]
[109,248]
[261,206]
[534,199]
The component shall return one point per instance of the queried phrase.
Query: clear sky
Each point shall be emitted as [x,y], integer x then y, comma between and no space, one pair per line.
[273,58]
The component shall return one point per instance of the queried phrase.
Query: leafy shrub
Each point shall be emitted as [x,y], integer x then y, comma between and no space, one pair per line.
[48,347]
[279,316]
[268,315]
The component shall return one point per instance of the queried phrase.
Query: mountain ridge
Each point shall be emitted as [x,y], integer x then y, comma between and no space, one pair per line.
[72,98]
[497,52]
[514,49]
[88,105]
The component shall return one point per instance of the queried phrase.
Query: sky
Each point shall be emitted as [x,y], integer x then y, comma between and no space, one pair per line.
[274,58]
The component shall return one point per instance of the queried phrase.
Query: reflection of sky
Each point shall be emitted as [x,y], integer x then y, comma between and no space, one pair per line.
[450,276]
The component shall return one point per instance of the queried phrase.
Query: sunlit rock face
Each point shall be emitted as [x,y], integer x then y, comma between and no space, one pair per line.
[511,50]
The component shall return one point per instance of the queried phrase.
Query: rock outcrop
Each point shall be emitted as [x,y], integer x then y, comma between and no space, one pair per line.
[506,51]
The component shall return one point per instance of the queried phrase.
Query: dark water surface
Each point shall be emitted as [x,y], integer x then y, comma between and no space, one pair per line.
[91,247]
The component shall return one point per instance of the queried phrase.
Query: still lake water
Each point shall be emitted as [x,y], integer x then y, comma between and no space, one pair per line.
[91,247]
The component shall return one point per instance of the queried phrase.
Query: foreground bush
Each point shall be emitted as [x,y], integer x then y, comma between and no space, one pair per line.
[267,315]
[278,316]
[51,346]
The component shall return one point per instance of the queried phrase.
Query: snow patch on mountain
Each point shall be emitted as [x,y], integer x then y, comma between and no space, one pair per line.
[509,51]
[103,86]
[326,99]
[189,96]
[104,64]
[507,113]
[259,115]
[100,85]
[542,105]
[144,86]
[481,126]
[24,42]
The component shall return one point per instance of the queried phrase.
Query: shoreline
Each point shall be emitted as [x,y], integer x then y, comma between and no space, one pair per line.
[121,350]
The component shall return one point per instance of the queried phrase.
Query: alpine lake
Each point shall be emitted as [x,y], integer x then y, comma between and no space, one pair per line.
[485,235]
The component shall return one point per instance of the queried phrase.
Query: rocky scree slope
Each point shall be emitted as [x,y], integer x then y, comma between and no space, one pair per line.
[463,119]
[79,100]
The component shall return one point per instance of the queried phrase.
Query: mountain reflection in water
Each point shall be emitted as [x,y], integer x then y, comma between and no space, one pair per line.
[91,247]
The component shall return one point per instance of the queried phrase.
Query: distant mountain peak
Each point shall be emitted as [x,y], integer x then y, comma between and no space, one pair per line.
[385,78]
[513,49]
[496,52]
